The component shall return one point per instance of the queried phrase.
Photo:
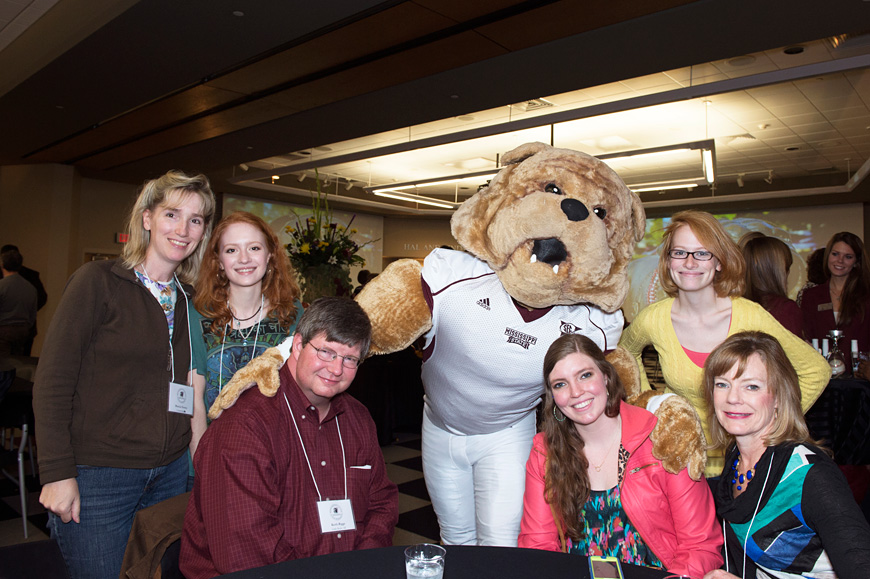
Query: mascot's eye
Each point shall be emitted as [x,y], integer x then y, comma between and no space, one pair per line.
[601,212]
[552,188]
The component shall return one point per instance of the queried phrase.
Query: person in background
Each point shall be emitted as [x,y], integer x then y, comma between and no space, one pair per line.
[768,261]
[815,272]
[593,486]
[786,509]
[247,300]
[298,473]
[18,300]
[31,276]
[363,277]
[702,271]
[113,412]
[843,301]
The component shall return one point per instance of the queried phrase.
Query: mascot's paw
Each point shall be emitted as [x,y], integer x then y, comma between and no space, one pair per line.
[628,371]
[396,307]
[262,371]
[678,439]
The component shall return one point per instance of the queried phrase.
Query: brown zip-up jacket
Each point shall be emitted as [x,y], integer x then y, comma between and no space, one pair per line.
[101,391]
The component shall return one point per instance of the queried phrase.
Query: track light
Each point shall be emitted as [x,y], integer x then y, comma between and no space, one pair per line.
[349,185]
[302,177]
[243,166]
[769,178]
[740,180]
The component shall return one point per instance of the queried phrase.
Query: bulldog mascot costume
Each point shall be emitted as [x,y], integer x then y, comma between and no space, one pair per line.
[547,243]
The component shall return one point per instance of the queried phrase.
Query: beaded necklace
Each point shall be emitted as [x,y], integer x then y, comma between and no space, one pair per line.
[740,479]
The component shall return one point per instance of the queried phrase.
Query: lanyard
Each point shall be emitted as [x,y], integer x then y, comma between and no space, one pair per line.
[187,311]
[310,470]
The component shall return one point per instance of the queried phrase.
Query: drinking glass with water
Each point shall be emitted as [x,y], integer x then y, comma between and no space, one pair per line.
[424,561]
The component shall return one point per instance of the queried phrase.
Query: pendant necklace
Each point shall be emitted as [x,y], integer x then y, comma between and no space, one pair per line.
[247,334]
[601,464]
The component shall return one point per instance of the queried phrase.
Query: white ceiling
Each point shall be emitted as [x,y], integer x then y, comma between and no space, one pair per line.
[805,126]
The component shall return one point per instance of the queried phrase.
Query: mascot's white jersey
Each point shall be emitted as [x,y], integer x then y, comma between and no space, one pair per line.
[485,372]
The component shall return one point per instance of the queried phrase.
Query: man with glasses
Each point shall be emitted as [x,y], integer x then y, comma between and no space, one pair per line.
[297,474]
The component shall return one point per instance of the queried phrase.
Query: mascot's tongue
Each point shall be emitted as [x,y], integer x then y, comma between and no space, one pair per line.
[551,251]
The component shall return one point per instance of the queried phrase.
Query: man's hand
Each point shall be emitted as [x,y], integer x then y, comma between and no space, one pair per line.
[62,498]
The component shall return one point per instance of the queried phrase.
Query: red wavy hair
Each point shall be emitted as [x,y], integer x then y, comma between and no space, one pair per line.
[213,287]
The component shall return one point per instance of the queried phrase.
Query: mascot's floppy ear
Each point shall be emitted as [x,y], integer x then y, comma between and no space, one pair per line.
[480,208]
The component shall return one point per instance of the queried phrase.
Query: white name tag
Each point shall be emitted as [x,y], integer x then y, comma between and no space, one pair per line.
[180,399]
[336,516]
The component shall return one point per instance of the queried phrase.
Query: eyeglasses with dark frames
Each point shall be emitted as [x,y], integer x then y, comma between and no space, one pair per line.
[328,355]
[700,255]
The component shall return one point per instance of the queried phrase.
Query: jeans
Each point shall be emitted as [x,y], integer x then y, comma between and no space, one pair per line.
[110,498]
[476,482]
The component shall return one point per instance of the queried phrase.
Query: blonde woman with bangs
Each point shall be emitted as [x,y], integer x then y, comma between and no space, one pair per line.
[786,509]
[112,432]
[702,271]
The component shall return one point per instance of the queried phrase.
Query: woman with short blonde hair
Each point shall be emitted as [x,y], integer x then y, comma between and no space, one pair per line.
[786,508]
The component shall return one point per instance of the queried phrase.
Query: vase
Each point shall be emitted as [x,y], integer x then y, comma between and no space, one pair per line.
[322,280]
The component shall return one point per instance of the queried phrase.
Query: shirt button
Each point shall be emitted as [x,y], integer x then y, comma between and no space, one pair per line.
[322,463]
[339,535]
[303,417]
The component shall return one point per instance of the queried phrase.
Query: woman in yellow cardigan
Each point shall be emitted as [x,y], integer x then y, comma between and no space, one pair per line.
[702,270]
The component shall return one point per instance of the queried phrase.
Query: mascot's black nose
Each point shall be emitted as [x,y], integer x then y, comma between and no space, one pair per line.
[574,210]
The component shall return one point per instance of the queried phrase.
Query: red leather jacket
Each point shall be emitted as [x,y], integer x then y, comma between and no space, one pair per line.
[674,515]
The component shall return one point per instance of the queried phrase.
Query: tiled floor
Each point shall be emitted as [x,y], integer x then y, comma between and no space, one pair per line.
[417,522]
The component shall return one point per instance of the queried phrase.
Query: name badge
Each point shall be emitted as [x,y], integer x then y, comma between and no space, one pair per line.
[336,516]
[825,307]
[180,399]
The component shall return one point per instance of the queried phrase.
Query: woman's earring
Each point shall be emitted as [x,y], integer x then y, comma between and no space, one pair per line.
[556,416]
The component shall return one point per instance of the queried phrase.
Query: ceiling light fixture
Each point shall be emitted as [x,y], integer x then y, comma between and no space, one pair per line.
[707,156]
[434,181]
[349,185]
[302,177]
[664,185]
[414,198]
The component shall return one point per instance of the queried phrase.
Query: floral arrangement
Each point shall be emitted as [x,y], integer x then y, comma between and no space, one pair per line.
[318,242]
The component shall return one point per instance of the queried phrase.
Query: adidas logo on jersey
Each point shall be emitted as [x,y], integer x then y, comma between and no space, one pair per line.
[484,303]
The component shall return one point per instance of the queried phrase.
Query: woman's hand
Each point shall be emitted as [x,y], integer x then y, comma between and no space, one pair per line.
[720,574]
[62,498]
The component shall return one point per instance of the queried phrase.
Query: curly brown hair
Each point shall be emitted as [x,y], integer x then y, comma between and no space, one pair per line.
[279,283]
[566,480]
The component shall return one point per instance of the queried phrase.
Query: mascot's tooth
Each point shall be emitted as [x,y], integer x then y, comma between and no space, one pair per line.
[556,268]
[533,259]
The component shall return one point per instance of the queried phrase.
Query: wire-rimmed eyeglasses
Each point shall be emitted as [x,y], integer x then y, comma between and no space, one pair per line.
[328,355]
[700,255]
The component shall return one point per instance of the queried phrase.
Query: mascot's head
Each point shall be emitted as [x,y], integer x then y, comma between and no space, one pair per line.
[558,227]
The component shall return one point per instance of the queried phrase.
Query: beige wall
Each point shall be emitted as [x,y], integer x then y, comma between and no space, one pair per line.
[54,217]
[415,238]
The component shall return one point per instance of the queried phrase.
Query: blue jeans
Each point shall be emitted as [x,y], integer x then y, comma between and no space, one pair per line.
[94,548]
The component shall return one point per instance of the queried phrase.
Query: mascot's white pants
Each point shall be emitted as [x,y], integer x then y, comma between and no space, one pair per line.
[476,482]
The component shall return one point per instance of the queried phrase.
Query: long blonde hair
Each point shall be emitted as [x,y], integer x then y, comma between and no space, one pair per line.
[156,192]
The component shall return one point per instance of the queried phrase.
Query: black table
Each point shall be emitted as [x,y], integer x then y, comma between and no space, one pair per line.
[460,563]
[840,418]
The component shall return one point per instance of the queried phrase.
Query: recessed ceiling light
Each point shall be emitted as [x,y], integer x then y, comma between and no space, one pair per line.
[238,13]
[793,50]
[323,148]
[741,61]
[454,96]
[793,148]
[465,118]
